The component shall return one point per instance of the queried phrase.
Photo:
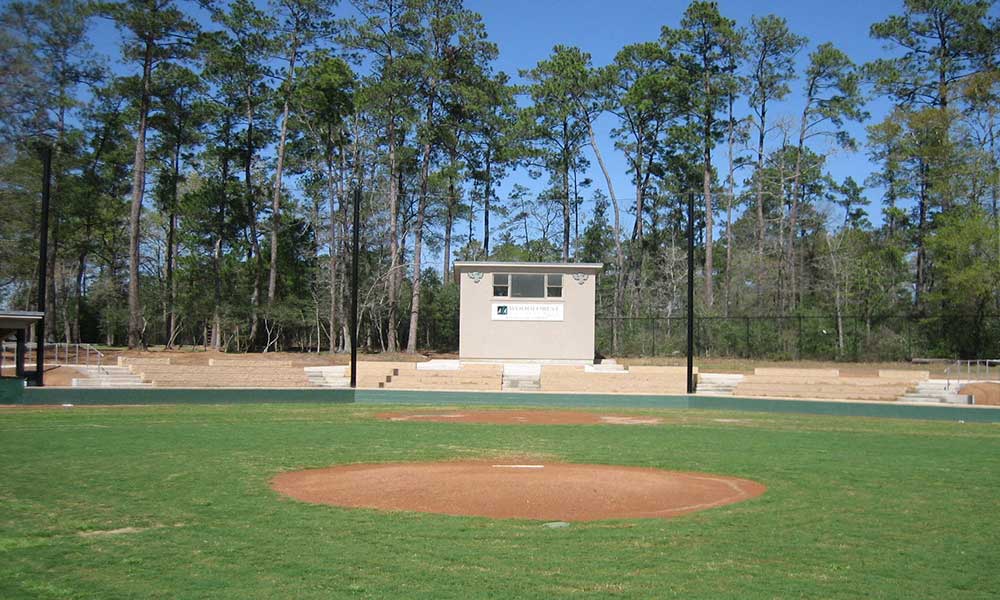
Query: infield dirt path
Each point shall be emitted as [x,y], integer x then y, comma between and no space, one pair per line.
[520,417]
[521,490]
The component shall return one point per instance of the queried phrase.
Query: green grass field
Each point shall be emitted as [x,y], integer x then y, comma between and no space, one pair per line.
[856,508]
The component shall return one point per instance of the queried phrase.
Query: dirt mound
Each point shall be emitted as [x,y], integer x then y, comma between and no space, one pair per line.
[521,417]
[507,490]
[987,394]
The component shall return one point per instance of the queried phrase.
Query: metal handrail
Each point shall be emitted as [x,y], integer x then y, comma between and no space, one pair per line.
[954,371]
[92,357]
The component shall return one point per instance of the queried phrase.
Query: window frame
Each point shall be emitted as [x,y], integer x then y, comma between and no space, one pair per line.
[547,286]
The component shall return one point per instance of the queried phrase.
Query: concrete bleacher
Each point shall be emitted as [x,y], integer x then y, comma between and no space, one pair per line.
[468,377]
[828,384]
[634,380]
[454,375]
[210,376]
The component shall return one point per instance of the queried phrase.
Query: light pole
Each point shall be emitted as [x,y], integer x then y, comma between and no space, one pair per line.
[43,255]
[690,290]
[354,288]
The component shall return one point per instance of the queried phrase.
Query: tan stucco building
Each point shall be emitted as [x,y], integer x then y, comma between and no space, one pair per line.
[527,311]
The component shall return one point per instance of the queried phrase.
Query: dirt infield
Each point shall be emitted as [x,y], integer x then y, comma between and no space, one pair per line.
[517,490]
[520,417]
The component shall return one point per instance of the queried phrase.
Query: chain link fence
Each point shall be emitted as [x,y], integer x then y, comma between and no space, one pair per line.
[805,337]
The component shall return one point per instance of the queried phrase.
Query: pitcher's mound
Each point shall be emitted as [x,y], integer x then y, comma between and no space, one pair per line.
[517,490]
[521,417]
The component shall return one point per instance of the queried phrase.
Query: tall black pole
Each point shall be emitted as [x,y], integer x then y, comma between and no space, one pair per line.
[43,259]
[690,307]
[354,288]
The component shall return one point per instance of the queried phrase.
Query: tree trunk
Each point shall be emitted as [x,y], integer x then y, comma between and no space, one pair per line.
[565,189]
[81,268]
[707,191]
[171,254]
[272,280]
[796,195]
[393,345]
[837,303]
[487,191]
[758,176]
[217,295]
[921,227]
[619,253]
[135,325]
[730,199]
[448,224]
[332,193]
[254,257]
[411,339]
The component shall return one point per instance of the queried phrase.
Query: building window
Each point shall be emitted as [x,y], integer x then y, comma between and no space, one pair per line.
[553,289]
[527,285]
[501,285]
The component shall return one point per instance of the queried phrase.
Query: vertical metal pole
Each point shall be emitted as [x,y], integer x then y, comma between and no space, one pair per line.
[909,338]
[354,288]
[690,298]
[746,323]
[799,340]
[654,334]
[19,350]
[43,255]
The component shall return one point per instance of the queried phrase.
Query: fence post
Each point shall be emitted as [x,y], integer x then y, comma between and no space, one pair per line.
[654,335]
[746,320]
[799,341]
[857,344]
[909,337]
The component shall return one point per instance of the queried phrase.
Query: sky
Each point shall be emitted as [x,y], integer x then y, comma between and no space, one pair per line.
[527,30]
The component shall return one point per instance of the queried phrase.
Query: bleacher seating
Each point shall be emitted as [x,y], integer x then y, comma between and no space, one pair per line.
[827,384]
[634,380]
[470,377]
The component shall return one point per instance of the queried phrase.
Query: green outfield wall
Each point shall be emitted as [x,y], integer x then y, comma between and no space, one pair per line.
[11,394]
[11,390]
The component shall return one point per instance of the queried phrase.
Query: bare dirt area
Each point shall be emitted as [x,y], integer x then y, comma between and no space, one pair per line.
[521,490]
[987,394]
[196,355]
[62,376]
[746,366]
[520,417]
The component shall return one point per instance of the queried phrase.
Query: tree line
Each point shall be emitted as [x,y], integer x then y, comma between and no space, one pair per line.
[204,198]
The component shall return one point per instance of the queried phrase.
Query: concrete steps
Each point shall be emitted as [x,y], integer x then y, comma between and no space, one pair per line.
[935,391]
[330,377]
[519,377]
[609,367]
[117,377]
[439,364]
[717,384]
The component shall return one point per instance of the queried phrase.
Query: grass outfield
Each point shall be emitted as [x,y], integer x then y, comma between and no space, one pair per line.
[855,508]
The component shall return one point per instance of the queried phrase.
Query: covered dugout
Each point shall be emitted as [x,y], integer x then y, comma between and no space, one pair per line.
[15,324]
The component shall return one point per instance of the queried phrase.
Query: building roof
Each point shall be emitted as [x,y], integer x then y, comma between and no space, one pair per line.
[469,265]
[13,320]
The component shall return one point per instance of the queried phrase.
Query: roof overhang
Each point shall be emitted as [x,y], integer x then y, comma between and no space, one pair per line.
[11,321]
[468,266]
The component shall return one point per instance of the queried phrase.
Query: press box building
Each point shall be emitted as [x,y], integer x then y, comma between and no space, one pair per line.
[517,311]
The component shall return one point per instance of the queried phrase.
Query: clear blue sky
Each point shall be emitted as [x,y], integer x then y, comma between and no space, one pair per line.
[526,31]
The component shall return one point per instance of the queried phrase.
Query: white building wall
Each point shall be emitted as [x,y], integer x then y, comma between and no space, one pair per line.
[484,335]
